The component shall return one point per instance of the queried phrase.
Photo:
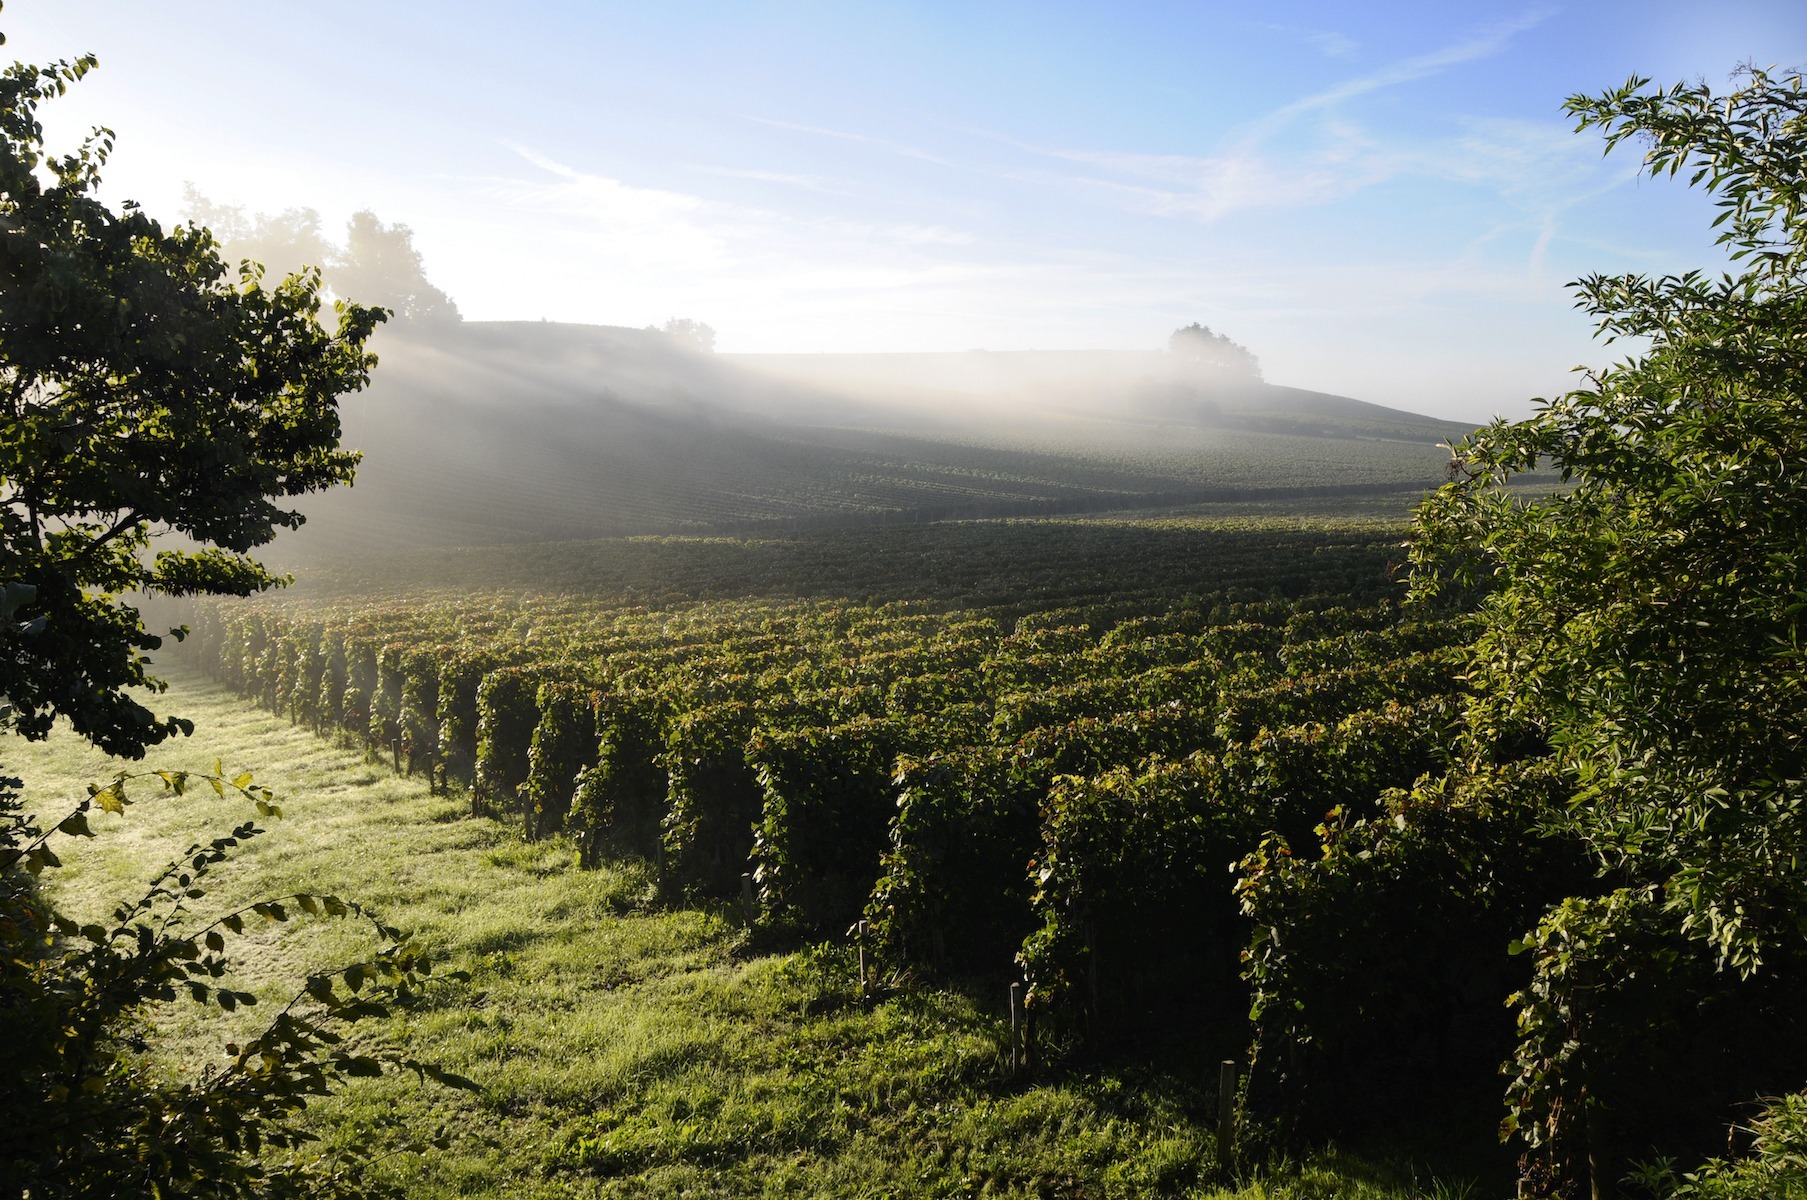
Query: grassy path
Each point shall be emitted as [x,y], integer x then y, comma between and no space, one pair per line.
[623,1049]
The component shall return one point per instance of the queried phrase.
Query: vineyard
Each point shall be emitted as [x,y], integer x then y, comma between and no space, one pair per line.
[1054,786]
[826,787]
[1123,779]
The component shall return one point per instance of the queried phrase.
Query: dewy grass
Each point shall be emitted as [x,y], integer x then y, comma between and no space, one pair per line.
[624,1049]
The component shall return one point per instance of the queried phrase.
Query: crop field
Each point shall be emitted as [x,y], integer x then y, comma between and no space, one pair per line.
[1016,565]
[958,854]
[981,789]
[627,1047]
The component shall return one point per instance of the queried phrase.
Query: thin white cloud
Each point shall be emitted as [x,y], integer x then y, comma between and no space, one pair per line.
[648,225]
[810,183]
[1326,41]
[1485,44]
[903,148]
[1339,158]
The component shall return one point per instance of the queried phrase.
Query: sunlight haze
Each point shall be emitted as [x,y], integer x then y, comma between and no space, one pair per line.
[1381,201]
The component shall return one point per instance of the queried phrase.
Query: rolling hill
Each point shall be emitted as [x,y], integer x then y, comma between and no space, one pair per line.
[514,431]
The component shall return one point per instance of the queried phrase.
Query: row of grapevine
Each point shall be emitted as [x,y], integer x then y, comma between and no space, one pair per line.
[988,793]
[1269,815]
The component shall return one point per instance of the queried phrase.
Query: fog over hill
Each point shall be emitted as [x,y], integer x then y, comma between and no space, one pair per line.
[487,432]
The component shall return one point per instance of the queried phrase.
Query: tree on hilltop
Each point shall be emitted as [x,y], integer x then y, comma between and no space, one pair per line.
[376,262]
[381,265]
[692,335]
[1196,345]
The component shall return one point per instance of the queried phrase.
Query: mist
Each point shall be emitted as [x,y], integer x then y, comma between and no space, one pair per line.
[484,432]
[488,432]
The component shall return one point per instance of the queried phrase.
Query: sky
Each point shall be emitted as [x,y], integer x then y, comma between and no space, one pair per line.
[1383,200]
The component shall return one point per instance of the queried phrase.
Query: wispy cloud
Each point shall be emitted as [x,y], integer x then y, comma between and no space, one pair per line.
[1326,41]
[622,246]
[810,183]
[1484,44]
[903,148]
[1332,159]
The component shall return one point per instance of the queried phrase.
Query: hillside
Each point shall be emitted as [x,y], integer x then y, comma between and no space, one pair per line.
[502,432]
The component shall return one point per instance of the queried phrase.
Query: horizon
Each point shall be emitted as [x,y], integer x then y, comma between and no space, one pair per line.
[1386,206]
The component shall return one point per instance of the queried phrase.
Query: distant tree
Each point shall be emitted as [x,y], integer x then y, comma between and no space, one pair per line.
[377,262]
[285,244]
[380,264]
[1197,345]
[693,335]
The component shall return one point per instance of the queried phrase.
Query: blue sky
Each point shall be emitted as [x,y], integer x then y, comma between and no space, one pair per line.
[1382,200]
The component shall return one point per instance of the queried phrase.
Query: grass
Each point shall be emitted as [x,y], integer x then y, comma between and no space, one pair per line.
[627,1049]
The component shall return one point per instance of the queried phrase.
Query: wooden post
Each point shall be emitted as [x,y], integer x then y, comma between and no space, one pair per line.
[1601,1171]
[746,896]
[1226,1114]
[859,935]
[1016,1028]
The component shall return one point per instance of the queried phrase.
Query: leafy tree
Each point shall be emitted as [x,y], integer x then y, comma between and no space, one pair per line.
[1197,346]
[377,262]
[1648,621]
[286,244]
[380,263]
[692,335]
[146,391]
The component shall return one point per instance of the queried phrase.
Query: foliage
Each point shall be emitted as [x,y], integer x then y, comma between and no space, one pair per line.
[506,719]
[83,1110]
[1378,966]
[1197,345]
[632,1049]
[1774,1169]
[144,390]
[563,744]
[827,806]
[1131,883]
[906,763]
[1648,621]
[619,802]
[692,335]
[375,261]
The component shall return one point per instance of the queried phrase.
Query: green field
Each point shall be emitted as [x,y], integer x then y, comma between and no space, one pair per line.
[748,845]
[631,1048]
